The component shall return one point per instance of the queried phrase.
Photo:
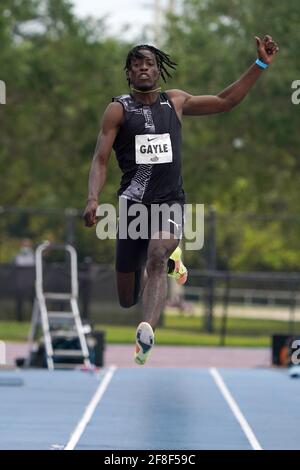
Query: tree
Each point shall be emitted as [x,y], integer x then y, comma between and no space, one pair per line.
[245,160]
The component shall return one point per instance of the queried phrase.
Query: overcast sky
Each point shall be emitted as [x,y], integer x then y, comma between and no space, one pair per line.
[136,13]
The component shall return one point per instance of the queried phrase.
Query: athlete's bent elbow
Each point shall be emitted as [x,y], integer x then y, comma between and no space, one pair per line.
[228,104]
[232,103]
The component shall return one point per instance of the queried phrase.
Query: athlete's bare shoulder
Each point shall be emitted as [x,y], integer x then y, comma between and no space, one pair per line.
[114,111]
[178,98]
[114,114]
[175,93]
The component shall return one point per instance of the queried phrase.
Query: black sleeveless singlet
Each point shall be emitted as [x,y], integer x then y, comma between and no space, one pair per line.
[149,134]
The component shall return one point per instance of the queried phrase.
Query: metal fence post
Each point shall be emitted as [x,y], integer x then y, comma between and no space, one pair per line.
[223,330]
[211,266]
[292,308]
[70,215]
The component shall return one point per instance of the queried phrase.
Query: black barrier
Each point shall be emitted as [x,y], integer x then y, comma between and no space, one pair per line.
[285,348]
[223,288]
[95,343]
[98,299]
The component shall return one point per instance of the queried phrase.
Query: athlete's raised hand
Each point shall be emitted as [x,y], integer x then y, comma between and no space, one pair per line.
[266,48]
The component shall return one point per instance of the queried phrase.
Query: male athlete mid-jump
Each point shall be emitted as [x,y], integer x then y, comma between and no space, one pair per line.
[144,129]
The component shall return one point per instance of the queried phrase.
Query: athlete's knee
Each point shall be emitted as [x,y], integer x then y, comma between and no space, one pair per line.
[157,259]
[128,287]
[128,299]
[124,303]
[127,302]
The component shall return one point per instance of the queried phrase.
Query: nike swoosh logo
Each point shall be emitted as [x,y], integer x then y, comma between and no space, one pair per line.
[166,102]
[153,138]
[177,225]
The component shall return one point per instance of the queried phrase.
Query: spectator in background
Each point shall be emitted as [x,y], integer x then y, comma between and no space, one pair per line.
[25,256]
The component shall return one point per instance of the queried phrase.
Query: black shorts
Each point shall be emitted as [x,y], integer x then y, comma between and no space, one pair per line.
[138,224]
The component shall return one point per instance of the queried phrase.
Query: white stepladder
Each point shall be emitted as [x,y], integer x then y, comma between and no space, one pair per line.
[45,318]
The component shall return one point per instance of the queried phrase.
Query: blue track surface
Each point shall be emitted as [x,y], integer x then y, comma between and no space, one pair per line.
[150,409]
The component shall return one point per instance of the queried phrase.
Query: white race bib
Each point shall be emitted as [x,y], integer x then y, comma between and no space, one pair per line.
[153,148]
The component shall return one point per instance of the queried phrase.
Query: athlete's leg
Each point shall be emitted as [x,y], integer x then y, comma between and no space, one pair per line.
[130,286]
[161,246]
[131,258]
[154,294]
[155,291]
[131,255]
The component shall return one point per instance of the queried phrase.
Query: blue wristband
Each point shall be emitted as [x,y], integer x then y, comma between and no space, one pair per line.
[261,64]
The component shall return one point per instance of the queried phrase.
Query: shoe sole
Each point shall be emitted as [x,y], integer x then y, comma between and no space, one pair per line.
[140,357]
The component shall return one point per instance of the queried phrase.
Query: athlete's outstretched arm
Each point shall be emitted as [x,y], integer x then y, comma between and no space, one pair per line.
[233,94]
[111,121]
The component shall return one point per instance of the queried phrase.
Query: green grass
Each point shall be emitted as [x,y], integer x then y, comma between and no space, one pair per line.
[188,331]
[164,336]
[14,331]
[180,330]
[235,326]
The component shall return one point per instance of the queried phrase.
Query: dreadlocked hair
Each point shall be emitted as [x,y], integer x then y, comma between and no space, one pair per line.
[163,60]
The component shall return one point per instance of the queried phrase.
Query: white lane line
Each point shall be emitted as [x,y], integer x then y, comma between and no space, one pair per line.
[235,409]
[75,436]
